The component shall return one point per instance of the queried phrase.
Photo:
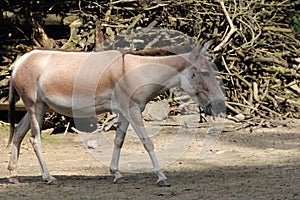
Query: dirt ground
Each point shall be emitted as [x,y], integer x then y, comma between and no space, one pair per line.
[258,163]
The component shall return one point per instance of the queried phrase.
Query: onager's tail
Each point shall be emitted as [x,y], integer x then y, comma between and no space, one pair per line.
[11,112]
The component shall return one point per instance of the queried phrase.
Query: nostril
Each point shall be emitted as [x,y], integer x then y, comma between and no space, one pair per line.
[215,107]
[208,108]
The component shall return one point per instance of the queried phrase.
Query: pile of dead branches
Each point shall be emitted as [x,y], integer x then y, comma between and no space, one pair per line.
[260,66]
[260,63]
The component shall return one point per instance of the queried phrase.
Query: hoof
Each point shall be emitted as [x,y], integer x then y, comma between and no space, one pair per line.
[120,180]
[163,183]
[51,181]
[14,180]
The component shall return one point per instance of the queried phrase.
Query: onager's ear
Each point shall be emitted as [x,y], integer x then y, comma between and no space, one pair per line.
[200,50]
[195,52]
[206,46]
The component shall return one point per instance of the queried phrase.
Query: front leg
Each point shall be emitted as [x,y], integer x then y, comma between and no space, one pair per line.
[118,143]
[138,125]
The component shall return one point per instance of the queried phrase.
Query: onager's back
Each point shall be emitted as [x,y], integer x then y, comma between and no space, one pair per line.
[56,72]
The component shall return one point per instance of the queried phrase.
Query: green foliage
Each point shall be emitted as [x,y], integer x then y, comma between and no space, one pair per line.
[296,24]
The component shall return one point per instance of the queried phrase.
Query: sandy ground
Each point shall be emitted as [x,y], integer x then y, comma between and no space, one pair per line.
[259,163]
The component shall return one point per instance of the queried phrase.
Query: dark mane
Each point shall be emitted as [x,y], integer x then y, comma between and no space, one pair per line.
[164,51]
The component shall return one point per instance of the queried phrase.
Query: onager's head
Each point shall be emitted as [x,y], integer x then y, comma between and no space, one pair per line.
[200,82]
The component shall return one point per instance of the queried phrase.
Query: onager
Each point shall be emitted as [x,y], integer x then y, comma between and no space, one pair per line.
[83,84]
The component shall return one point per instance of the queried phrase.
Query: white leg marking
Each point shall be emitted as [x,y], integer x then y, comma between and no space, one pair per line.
[138,125]
[119,140]
[18,137]
[35,139]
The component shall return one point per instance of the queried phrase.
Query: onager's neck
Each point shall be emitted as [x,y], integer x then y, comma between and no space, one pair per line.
[176,62]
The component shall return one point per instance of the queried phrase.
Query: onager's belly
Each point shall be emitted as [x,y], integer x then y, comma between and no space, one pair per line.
[79,106]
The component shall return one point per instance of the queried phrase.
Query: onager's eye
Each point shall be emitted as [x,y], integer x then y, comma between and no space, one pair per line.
[205,74]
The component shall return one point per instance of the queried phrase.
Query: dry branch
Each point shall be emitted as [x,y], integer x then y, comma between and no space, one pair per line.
[232,28]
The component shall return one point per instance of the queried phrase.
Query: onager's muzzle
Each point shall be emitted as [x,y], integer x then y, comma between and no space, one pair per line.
[215,107]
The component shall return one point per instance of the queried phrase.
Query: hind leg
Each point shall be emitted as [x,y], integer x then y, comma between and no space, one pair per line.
[35,139]
[18,137]
[118,143]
